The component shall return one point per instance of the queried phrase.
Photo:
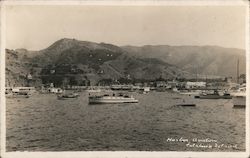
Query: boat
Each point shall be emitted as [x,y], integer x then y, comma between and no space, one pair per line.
[55,90]
[107,99]
[214,95]
[186,104]
[23,90]
[121,87]
[65,96]
[239,97]
[239,94]
[94,90]
[226,96]
[18,95]
[160,89]
[239,101]
[145,90]
[175,89]
[190,92]
[116,87]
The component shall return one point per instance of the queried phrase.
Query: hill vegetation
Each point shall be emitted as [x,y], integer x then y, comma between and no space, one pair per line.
[74,62]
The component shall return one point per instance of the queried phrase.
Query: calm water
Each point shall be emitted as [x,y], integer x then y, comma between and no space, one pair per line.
[43,123]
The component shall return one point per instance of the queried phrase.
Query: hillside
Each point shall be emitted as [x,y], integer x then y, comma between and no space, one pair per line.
[206,60]
[18,67]
[70,61]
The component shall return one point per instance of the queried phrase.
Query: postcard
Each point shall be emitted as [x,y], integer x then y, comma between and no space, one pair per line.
[124,79]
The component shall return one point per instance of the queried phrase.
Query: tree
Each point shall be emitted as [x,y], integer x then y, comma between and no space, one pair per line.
[72,81]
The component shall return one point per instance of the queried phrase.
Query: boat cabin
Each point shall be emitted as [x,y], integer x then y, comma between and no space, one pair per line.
[23,89]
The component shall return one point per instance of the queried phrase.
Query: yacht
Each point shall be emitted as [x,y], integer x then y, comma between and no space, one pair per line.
[214,95]
[107,99]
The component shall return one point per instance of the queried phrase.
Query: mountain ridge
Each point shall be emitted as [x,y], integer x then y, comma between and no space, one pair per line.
[104,61]
[206,58]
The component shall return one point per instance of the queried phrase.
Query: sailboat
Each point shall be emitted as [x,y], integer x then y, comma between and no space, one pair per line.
[239,95]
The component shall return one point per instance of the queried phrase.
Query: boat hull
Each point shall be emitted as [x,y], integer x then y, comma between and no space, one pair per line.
[111,100]
[239,102]
[214,97]
[186,104]
[18,95]
[68,96]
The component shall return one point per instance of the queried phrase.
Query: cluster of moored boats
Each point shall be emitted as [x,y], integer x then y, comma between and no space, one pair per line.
[98,96]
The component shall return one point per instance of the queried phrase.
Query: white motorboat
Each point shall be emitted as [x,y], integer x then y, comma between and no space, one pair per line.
[107,99]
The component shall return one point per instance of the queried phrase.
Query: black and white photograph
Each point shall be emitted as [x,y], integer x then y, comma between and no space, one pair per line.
[125,77]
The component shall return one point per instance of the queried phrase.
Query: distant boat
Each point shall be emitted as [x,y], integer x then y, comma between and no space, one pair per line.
[23,90]
[121,87]
[175,89]
[160,89]
[239,97]
[65,96]
[238,92]
[214,95]
[190,92]
[94,90]
[239,102]
[107,99]
[145,90]
[116,87]
[18,95]
[186,104]
[55,90]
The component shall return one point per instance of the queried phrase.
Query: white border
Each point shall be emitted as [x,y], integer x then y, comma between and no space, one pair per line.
[128,2]
[132,154]
[247,45]
[107,154]
[2,77]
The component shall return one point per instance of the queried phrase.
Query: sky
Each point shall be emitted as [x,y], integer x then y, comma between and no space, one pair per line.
[37,27]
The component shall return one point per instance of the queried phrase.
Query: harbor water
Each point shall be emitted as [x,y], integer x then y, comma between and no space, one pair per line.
[44,123]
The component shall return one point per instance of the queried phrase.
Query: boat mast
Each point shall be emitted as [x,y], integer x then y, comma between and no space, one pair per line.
[237,71]
[196,73]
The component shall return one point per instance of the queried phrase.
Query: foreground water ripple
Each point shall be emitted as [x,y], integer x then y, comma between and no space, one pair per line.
[43,123]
